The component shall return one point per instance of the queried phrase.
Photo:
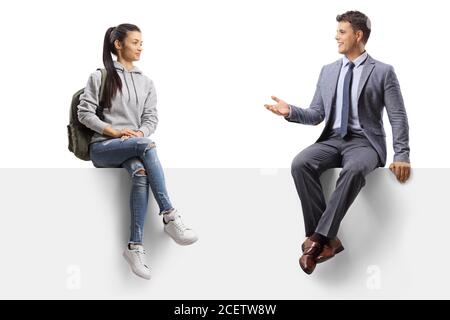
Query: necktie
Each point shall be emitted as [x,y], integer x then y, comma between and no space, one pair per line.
[346,98]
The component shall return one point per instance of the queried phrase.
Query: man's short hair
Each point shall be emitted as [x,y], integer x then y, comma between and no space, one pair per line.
[358,20]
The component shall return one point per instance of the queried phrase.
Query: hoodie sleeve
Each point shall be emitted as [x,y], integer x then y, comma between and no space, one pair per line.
[149,117]
[89,102]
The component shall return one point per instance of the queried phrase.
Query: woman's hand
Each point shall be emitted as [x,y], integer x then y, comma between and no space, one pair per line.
[126,132]
[134,134]
[122,133]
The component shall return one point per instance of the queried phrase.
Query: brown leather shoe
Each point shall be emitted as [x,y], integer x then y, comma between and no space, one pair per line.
[333,247]
[306,242]
[308,259]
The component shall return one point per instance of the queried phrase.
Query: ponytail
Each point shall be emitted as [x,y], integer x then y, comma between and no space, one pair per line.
[113,82]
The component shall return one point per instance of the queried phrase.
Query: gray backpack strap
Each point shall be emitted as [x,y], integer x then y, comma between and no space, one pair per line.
[102,90]
[102,85]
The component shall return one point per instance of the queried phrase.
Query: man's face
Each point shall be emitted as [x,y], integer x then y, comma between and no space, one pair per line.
[347,38]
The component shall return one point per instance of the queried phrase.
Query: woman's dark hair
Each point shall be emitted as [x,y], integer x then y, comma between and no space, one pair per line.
[113,82]
[359,22]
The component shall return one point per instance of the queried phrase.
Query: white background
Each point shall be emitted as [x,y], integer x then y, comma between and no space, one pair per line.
[214,64]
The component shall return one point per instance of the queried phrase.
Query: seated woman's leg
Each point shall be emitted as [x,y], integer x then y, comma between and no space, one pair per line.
[112,153]
[124,153]
[173,224]
[155,176]
[138,198]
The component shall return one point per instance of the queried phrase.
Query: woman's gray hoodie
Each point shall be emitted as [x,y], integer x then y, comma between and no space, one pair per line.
[133,108]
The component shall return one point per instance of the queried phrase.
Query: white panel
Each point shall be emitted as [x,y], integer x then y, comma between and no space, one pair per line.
[62,232]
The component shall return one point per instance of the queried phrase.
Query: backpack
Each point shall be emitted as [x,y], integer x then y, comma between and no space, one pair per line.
[80,135]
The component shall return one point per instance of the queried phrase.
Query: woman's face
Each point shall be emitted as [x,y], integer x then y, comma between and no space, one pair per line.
[131,47]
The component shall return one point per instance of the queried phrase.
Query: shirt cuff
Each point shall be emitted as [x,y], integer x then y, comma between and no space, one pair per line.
[290,112]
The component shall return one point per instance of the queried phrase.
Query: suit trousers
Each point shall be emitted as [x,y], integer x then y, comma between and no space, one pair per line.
[357,158]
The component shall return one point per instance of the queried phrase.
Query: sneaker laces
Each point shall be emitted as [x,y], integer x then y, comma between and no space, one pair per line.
[140,253]
[179,224]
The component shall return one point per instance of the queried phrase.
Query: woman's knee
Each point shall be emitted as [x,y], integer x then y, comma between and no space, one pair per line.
[140,172]
[139,177]
[134,166]
[145,144]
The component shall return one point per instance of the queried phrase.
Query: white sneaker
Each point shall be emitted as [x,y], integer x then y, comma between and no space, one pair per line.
[178,231]
[136,259]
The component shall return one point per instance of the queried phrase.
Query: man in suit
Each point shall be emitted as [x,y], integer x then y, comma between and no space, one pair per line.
[350,96]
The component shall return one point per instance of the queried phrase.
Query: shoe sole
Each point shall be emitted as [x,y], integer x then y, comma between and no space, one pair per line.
[130,263]
[340,249]
[182,243]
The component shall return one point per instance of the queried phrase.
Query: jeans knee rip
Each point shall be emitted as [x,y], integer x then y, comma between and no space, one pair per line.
[150,146]
[139,173]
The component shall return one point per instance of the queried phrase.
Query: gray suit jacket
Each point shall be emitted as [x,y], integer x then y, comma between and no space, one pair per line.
[378,88]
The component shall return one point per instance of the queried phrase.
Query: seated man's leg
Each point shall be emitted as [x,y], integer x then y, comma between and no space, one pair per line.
[306,169]
[358,160]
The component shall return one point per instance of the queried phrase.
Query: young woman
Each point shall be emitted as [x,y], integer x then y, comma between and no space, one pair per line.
[121,138]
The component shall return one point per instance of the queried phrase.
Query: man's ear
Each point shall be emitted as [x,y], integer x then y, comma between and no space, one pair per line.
[359,35]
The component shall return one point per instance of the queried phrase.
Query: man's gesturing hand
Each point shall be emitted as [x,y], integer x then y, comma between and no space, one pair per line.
[281,108]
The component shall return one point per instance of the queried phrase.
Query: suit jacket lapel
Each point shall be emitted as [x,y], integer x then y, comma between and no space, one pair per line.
[368,67]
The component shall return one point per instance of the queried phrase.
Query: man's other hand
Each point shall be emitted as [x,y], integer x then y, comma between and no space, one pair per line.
[402,170]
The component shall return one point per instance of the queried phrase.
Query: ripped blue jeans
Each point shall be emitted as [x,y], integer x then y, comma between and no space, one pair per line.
[138,156]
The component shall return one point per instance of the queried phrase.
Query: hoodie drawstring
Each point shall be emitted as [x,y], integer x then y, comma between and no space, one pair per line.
[126,83]
[125,77]
[135,92]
